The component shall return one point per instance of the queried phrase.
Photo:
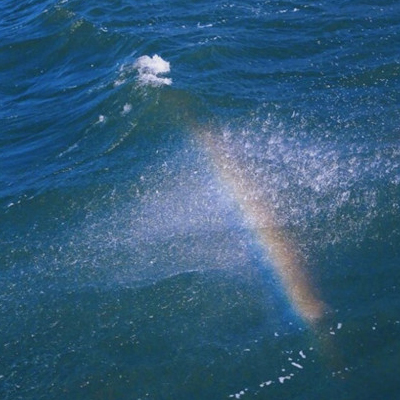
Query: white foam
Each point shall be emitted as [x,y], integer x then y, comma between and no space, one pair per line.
[127,109]
[204,26]
[150,69]
[282,379]
[297,365]
[239,394]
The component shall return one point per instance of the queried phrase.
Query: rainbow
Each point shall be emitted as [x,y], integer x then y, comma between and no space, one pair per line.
[287,263]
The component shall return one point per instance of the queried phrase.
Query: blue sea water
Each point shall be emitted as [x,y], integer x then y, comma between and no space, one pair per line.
[128,270]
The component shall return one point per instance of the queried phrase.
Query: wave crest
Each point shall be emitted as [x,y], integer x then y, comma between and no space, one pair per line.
[150,69]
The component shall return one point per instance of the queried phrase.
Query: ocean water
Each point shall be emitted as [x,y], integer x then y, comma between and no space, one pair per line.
[199,199]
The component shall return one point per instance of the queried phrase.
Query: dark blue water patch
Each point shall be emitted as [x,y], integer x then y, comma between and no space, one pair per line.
[79,121]
[166,339]
[17,17]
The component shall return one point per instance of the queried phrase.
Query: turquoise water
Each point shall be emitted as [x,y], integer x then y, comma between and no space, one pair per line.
[129,268]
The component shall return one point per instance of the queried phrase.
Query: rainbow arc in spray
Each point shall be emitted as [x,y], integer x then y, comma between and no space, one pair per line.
[287,263]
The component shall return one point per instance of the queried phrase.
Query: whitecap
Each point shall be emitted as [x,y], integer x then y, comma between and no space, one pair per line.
[282,379]
[126,109]
[297,365]
[150,69]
